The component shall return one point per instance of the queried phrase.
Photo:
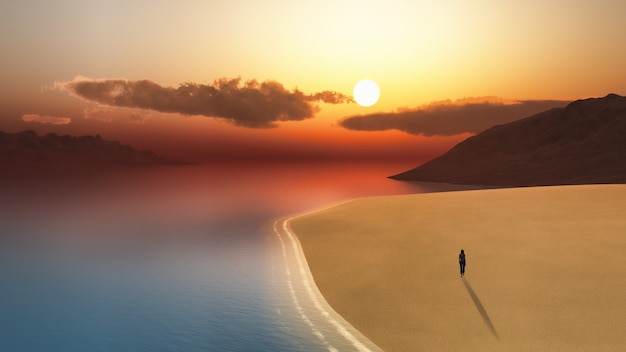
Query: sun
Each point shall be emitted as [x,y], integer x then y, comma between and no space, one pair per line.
[366,92]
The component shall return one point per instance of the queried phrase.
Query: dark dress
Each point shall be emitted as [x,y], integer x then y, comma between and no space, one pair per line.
[462,263]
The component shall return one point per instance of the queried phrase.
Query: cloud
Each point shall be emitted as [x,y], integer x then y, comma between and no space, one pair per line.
[447,118]
[330,97]
[138,117]
[53,120]
[103,114]
[108,114]
[249,104]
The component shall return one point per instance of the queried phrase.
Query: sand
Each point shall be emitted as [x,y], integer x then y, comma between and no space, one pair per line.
[545,268]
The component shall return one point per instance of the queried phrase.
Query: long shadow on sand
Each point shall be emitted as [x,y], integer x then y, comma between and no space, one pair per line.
[481,309]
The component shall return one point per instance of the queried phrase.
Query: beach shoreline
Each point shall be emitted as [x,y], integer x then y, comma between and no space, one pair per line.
[543,273]
[321,318]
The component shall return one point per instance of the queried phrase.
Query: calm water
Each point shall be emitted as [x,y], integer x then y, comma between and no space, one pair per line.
[180,258]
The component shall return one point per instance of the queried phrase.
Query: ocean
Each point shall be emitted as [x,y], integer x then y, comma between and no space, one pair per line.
[174,258]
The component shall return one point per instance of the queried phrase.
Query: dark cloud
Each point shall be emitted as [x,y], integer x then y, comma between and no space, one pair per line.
[249,104]
[330,97]
[448,118]
[53,120]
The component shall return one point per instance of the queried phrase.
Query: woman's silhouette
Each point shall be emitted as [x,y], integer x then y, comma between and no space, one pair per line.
[462,262]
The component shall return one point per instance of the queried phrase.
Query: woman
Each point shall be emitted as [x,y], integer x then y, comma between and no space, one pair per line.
[462,262]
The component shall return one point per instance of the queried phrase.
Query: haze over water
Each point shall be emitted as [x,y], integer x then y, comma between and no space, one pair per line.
[176,258]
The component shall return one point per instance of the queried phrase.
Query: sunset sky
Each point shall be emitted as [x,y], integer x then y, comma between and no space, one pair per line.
[204,80]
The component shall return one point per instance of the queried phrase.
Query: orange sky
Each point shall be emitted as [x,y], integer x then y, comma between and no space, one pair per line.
[418,52]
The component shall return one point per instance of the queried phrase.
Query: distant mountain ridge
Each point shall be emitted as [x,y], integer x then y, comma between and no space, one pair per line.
[27,146]
[581,143]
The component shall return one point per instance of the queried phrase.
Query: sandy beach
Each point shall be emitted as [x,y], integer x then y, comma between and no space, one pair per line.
[544,268]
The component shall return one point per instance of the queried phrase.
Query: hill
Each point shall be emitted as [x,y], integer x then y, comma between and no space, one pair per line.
[581,143]
[28,147]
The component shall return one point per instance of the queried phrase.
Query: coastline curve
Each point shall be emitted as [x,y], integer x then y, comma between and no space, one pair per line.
[290,245]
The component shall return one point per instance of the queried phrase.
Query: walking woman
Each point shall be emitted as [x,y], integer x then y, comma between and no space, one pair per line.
[462,262]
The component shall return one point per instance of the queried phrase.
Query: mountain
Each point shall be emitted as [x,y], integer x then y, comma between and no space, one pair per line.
[28,147]
[583,142]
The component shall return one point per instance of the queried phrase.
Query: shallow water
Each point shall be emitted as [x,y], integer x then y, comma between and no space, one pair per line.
[177,258]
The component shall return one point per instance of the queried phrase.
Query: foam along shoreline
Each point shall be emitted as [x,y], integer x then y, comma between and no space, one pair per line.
[334,332]
[544,268]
